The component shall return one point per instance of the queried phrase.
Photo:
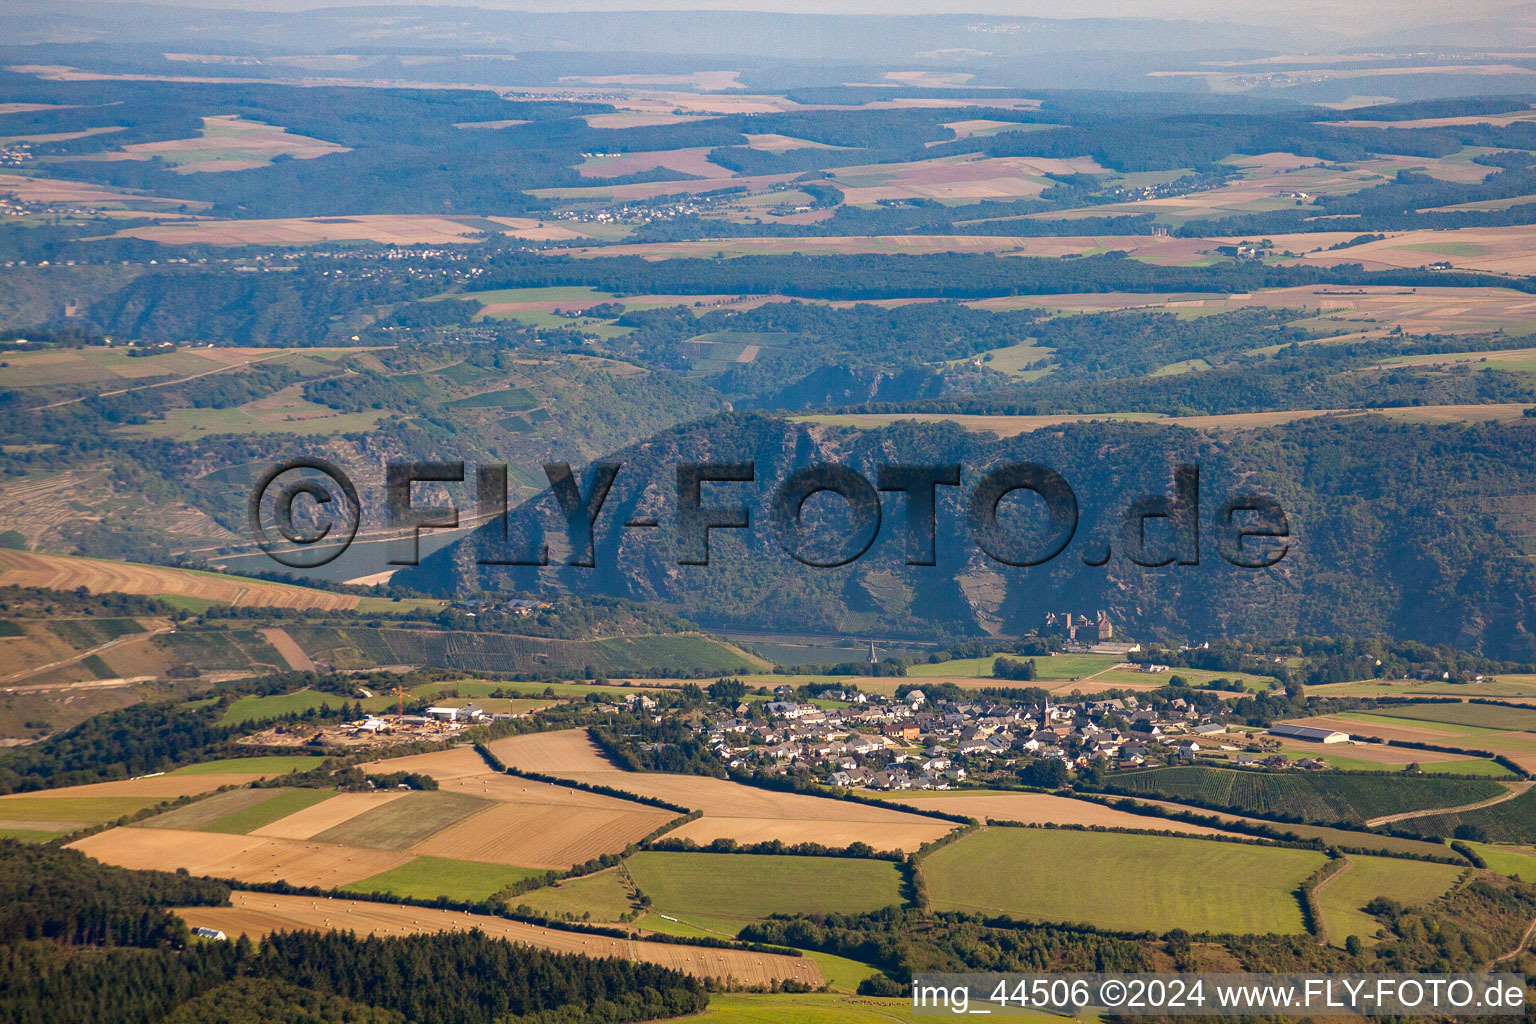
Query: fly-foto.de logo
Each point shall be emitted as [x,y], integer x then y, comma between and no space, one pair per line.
[310,505]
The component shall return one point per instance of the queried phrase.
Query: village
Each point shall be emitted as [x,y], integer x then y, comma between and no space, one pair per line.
[911,742]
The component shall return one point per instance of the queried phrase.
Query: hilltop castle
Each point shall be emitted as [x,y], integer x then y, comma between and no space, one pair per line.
[1095,629]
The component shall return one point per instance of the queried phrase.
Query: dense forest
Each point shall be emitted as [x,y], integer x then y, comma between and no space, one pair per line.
[82,942]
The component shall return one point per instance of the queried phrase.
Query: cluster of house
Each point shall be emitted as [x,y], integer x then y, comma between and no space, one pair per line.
[642,212]
[912,743]
[521,607]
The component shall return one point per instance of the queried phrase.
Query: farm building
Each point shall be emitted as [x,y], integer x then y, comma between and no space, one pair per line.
[1307,732]
[209,933]
[467,713]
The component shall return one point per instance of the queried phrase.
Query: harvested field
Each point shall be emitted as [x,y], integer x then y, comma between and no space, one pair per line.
[1266,186]
[229,143]
[709,302]
[1443,122]
[633,119]
[1437,309]
[442,765]
[731,810]
[552,753]
[532,824]
[687,161]
[1043,808]
[328,814]
[397,229]
[54,190]
[1509,250]
[904,833]
[257,914]
[652,189]
[1160,250]
[1377,753]
[549,835]
[1502,717]
[774,143]
[159,787]
[956,178]
[60,572]
[1519,747]
[247,858]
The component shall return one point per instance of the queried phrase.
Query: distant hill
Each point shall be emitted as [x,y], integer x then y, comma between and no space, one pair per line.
[1398,529]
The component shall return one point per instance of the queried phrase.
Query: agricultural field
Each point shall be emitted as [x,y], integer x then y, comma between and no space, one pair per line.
[693,161]
[427,878]
[955,178]
[386,229]
[746,814]
[1390,726]
[508,826]
[1342,897]
[1515,861]
[275,764]
[1324,798]
[1496,250]
[257,914]
[228,143]
[401,824]
[216,808]
[1054,668]
[1121,882]
[1041,809]
[1376,757]
[72,808]
[602,896]
[98,198]
[60,572]
[253,709]
[723,892]
[1501,717]
[247,858]
[527,823]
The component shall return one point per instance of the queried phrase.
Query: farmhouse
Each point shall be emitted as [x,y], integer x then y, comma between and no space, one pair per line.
[209,933]
[1307,732]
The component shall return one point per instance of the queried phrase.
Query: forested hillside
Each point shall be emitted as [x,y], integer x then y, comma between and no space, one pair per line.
[1365,492]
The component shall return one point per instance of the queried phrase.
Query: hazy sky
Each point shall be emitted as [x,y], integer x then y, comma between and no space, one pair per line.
[1361,19]
[1364,12]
